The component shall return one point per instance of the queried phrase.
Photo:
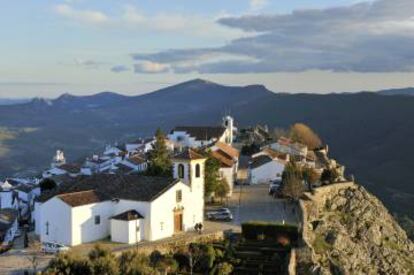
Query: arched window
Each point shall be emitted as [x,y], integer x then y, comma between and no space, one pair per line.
[197,171]
[181,171]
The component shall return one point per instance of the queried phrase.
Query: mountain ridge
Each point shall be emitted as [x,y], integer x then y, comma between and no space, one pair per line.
[364,130]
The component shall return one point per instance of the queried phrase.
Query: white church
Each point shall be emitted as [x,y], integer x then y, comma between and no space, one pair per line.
[200,136]
[128,208]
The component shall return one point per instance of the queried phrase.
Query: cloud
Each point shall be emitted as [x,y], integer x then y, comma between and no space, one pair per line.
[132,19]
[256,5]
[88,63]
[149,67]
[120,68]
[187,24]
[373,36]
[86,16]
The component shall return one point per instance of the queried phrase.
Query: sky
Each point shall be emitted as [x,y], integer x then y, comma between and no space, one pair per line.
[87,46]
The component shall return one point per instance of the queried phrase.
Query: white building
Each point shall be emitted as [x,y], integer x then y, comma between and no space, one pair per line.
[229,162]
[287,146]
[8,198]
[136,162]
[70,169]
[92,208]
[58,159]
[196,136]
[264,169]
[140,145]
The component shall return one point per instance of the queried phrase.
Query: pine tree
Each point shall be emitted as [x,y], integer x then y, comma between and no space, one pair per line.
[212,175]
[159,157]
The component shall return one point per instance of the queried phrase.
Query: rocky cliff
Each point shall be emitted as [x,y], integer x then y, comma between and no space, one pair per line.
[347,230]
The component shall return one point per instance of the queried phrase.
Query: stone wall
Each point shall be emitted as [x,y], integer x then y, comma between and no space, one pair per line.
[170,245]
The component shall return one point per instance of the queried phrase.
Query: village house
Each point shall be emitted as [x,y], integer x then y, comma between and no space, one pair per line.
[264,169]
[198,136]
[140,145]
[129,208]
[138,162]
[99,164]
[287,146]
[8,198]
[229,162]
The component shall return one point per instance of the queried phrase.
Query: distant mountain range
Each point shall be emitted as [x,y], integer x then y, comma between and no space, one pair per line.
[369,132]
[404,91]
[13,101]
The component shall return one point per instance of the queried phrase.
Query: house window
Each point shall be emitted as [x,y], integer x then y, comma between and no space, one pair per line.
[97,219]
[161,226]
[181,171]
[47,228]
[198,171]
[179,196]
[137,228]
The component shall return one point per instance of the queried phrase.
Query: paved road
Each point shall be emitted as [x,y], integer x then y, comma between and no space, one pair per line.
[252,203]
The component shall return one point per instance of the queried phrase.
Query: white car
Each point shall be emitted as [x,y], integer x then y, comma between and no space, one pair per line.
[54,248]
[218,212]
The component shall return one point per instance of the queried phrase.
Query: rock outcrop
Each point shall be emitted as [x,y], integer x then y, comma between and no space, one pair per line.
[349,231]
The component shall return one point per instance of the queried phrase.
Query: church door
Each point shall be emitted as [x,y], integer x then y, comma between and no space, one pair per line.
[178,221]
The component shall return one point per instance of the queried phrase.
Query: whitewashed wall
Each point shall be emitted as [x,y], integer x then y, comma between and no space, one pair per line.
[6,199]
[58,215]
[126,231]
[144,208]
[83,224]
[264,174]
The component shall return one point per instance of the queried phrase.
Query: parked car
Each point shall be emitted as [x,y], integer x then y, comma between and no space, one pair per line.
[274,186]
[53,248]
[224,216]
[218,211]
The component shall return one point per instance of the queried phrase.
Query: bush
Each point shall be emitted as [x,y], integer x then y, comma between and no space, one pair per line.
[270,231]
[224,268]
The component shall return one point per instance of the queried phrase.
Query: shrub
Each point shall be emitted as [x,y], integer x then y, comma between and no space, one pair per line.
[224,268]
[271,231]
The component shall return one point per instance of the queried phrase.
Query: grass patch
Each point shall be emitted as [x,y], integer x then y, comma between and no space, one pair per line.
[320,245]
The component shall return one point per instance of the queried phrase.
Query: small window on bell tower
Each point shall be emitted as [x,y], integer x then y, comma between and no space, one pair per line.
[197,171]
[180,171]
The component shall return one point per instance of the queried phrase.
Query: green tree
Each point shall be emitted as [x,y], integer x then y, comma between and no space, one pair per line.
[133,263]
[222,189]
[167,264]
[103,261]
[68,264]
[211,175]
[47,184]
[159,157]
[224,268]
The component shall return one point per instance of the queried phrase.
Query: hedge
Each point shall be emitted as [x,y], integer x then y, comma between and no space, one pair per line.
[271,231]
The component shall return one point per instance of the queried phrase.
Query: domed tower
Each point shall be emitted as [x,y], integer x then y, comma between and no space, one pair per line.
[58,159]
[228,123]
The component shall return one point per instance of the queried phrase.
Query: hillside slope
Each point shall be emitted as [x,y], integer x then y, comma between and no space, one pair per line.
[349,231]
